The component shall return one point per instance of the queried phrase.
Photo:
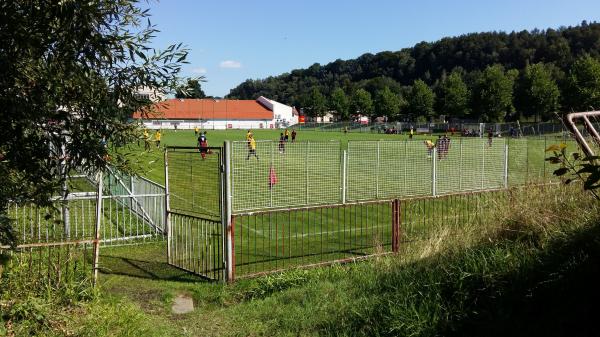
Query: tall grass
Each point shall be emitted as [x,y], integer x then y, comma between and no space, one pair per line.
[523,270]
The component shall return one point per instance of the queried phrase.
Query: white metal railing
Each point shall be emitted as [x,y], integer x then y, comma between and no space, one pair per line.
[132,210]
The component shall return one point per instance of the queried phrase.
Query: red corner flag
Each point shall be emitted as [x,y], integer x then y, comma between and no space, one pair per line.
[272,177]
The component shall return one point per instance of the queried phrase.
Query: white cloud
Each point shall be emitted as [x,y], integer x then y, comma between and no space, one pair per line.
[230,64]
[199,70]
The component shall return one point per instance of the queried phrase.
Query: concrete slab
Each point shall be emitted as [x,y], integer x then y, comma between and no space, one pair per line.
[182,304]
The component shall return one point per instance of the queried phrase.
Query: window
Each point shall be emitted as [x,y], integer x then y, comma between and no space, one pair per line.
[142,96]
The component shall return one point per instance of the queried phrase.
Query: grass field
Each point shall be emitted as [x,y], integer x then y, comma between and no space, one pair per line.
[309,173]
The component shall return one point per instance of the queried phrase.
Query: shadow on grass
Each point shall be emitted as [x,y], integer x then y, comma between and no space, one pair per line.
[148,261]
[558,295]
[507,288]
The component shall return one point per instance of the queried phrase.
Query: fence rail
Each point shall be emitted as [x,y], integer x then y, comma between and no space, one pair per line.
[274,240]
[277,240]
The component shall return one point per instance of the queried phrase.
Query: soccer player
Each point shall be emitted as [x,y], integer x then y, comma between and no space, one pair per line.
[293,135]
[429,144]
[203,145]
[412,133]
[490,137]
[146,140]
[444,146]
[196,130]
[286,134]
[157,137]
[282,141]
[251,147]
[439,144]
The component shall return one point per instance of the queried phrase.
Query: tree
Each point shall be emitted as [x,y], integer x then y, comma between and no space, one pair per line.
[339,103]
[493,94]
[453,96]
[429,61]
[191,89]
[421,99]
[539,94]
[583,84]
[361,103]
[314,103]
[70,74]
[388,104]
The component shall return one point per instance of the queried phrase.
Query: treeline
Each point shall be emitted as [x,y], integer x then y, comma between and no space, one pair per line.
[482,76]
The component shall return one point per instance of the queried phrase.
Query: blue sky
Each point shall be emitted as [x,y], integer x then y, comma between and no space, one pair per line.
[231,41]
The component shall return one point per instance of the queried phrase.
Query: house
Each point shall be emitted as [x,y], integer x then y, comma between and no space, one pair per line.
[150,94]
[187,113]
[328,117]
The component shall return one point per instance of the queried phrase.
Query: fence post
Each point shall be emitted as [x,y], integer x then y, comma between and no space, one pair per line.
[506,164]
[97,228]
[483,165]
[396,220]
[377,171]
[544,158]
[434,173]
[306,170]
[344,173]
[460,166]
[270,185]
[167,207]
[228,219]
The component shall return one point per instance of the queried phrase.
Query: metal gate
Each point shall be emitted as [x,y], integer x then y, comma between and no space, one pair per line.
[194,188]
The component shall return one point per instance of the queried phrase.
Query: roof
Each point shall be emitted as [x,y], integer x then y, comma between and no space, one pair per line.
[209,109]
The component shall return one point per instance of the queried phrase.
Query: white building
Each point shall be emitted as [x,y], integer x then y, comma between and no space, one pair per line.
[187,113]
[150,94]
[328,117]
[283,115]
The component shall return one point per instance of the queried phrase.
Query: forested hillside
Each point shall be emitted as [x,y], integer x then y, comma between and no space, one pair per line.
[490,76]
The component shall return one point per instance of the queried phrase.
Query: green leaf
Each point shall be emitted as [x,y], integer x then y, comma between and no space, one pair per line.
[554,160]
[561,171]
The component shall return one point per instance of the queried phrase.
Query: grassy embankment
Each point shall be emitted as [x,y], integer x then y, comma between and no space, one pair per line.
[530,269]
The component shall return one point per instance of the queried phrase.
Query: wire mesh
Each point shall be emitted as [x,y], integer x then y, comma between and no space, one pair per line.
[284,175]
[195,182]
[311,173]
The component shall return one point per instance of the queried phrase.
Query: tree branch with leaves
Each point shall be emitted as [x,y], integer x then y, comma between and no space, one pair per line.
[71,71]
[576,167]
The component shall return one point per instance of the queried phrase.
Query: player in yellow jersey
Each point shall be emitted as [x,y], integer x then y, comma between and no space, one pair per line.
[157,137]
[251,147]
[429,144]
[146,140]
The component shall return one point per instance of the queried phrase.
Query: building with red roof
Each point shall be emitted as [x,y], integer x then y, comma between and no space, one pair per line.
[187,113]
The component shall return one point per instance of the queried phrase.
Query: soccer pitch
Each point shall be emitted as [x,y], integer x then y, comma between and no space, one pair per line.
[309,173]
[311,170]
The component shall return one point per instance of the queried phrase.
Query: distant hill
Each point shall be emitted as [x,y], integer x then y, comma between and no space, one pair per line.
[431,62]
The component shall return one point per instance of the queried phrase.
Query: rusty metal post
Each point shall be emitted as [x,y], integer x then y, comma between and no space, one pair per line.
[97,228]
[232,257]
[570,123]
[396,219]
